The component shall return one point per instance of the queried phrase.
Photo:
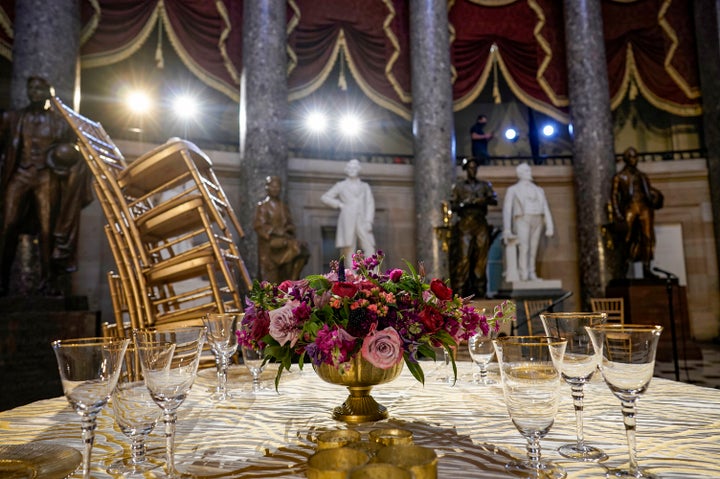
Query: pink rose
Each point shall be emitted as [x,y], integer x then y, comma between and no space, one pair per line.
[284,326]
[383,349]
[395,275]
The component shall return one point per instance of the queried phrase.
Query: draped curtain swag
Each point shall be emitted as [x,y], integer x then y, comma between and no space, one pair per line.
[650,47]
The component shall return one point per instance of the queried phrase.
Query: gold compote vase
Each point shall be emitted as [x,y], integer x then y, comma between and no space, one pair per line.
[359,376]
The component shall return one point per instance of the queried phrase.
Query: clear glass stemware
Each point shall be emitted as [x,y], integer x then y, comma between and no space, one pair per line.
[579,365]
[627,364]
[169,360]
[482,351]
[89,369]
[224,343]
[135,414]
[254,359]
[530,368]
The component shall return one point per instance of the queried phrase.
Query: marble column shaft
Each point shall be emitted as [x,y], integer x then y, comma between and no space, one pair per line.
[46,43]
[433,139]
[707,33]
[263,111]
[593,158]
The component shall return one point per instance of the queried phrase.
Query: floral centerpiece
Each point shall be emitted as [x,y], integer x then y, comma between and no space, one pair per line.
[385,317]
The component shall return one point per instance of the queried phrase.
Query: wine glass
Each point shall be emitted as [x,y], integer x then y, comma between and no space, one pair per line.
[223,342]
[135,414]
[169,360]
[482,351]
[627,353]
[579,365]
[530,368]
[254,359]
[89,369]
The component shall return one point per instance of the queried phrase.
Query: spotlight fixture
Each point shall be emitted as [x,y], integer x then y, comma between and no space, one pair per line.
[185,106]
[548,130]
[350,125]
[316,122]
[138,102]
[511,135]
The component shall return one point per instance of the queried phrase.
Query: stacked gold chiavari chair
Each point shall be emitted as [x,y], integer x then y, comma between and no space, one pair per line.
[163,274]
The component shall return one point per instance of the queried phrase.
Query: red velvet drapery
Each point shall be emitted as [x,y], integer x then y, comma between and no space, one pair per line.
[650,46]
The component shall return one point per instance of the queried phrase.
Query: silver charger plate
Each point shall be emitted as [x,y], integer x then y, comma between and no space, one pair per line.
[38,460]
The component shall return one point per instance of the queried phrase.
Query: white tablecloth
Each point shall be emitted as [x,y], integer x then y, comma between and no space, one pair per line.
[270,434]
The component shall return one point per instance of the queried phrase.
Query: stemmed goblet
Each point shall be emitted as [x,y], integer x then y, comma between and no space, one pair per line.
[224,343]
[482,351]
[135,414]
[579,365]
[169,360]
[89,369]
[254,360]
[530,368]
[627,363]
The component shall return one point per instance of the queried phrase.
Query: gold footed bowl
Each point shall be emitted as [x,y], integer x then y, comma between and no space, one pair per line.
[359,378]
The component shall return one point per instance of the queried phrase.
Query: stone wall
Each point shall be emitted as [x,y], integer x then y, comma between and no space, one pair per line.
[684,184]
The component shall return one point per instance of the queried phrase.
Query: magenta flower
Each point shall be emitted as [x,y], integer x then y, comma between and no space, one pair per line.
[383,349]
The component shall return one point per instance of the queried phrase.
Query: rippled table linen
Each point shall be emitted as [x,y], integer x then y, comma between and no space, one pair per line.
[270,434]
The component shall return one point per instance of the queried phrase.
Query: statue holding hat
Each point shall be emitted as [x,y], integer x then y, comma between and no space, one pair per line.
[44,184]
[471,235]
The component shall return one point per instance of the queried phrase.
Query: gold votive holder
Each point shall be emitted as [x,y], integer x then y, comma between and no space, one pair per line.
[337,438]
[391,437]
[335,463]
[371,448]
[379,471]
[421,461]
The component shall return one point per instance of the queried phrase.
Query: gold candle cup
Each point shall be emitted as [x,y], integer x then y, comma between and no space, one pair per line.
[421,461]
[391,437]
[371,448]
[335,463]
[379,471]
[338,438]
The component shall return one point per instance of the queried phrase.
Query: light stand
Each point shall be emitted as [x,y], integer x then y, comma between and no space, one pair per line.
[669,277]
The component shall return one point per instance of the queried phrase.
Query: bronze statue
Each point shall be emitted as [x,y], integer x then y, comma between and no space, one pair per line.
[633,204]
[281,256]
[44,185]
[471,234]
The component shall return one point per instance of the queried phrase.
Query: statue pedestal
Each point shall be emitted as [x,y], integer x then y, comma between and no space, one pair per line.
[530,286]
[28,324]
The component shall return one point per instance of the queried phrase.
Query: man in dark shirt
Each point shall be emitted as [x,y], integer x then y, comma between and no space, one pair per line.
[480,140]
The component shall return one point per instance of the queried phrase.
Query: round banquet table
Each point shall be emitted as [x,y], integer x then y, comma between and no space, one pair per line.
[270,434]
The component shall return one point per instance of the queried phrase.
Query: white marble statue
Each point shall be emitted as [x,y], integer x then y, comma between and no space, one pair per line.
[525,212]
[357,211]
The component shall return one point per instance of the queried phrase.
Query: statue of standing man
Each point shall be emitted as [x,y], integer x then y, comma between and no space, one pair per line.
[355,201]
[280,254]
[471,235]
[43,186]
[525,213]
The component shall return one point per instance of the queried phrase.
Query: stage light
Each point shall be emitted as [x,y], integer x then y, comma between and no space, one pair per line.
[138,102]
[350,125]
[511,134]
[316,122]
[548,130]
[570,129]
[185,106]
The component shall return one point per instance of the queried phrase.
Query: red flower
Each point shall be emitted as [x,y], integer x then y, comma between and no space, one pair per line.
[441,290]
[431,319]
[344,289]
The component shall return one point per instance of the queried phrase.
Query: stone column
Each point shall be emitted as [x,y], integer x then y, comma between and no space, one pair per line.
[433,139]
[263,111]
[707,33]
[37,51]
[593,159]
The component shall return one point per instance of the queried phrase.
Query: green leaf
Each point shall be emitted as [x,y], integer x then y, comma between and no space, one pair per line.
[415,369]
